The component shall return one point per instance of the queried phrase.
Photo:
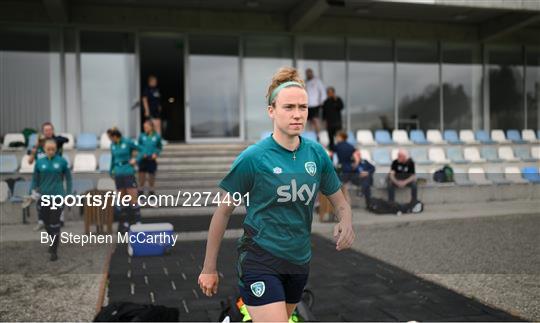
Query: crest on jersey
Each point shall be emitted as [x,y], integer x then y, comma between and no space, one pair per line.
[311,168]
[277,170]
[258,288]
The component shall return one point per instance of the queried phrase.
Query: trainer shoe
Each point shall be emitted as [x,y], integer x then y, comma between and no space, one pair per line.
[39,226]
[54,256]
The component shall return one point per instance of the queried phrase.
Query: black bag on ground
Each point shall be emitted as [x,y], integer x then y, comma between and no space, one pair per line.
[444,175]
[380,206]
[415,207]
[131,312]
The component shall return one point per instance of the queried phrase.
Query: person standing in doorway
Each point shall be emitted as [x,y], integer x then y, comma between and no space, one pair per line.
[316,96]
[151,100]
[332,114]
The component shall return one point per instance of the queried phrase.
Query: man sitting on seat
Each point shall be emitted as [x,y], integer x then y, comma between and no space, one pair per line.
[365,172]
[402,174]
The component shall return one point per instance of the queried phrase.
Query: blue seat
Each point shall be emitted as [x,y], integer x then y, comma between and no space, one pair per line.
[382,137]
[20,190]
[456,155]
[87,141]
[483,137]
[381,156]
[531,174]
[515,136]
[451,136]
[32,140]
[82,185]
[8,164]
[420,156]
[311,135]
[461,178]
[351,138]
[104,162]
[490,154]
[265,134]
[418,137]
[524,154]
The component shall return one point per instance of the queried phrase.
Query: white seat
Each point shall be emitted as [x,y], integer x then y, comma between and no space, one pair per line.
[71,141]
[84,163]
[434,136]
[26,167]
[467,136]
[4,191]
[507,154]
[365,137]
[478,176]
[104,141]
[324,139]
[437,155]
[535,152]
[366,155]
[394,153]
[528,134]
[106,184]
[499,136]
[513,174]
[12,137]
[473,155]
[401,137]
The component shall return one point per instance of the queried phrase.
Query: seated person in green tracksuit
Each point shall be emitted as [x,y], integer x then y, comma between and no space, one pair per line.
[149,149]
[48,179]
[282,174]
[122,169]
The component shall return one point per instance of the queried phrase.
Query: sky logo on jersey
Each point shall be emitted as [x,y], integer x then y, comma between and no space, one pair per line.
[292,193]
[257,288]
[311,168]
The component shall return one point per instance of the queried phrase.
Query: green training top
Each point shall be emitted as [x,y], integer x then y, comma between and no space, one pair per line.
[282,186]
[149,144]
[49,174]
[120,157]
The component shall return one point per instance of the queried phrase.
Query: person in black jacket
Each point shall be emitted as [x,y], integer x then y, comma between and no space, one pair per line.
[332,107]
[365,172]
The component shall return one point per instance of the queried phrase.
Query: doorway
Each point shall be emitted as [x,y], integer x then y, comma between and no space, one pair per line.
[162,55]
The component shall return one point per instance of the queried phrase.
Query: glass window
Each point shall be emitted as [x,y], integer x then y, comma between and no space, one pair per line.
[213,87]
[371,83]
[108,85]
[417,82]
[506,88]
[263,56]
[461,79]
[532,88]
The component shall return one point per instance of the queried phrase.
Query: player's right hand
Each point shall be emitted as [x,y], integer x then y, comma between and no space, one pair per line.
[208,282]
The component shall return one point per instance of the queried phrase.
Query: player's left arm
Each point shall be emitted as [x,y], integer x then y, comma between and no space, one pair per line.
[343,231]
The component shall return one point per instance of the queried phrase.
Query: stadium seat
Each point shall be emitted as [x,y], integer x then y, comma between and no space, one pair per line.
[382,137]
[420,156]
[324,139]
[451,137]
[523,153]
[351,139]
[507,154]
[26,167]
[477,175]
[513,174]
[531,174]
[499,136]
[8,164]
[515,136]
[461,178]
[496,176]
[483,137]
[394,153]
[366,155]
[434,136]
[20,191]
[467,136]
[105,142]
[84,163]
[365,137]
[417,136]
[4,191]
[438,156]
[104,162]
[529,135]
[71,141]
[32,140]
[82,185]
[471,154]
[535,152]
[456,155]
[490,154]
[400,137]
[381,157]
[86,141]
[68,160]
[310,135]
[11,138]
[106,184]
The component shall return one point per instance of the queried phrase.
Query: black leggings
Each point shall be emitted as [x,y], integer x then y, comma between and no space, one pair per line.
[51,219]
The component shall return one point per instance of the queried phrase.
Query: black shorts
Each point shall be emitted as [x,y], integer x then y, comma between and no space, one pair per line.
[313,112]
[125,181]
[148,165]
[155,113]
[264,278]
